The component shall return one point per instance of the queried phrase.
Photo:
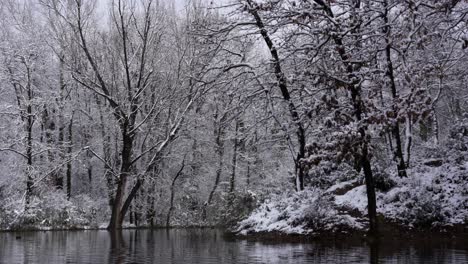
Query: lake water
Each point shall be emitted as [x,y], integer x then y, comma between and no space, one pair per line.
[212,246]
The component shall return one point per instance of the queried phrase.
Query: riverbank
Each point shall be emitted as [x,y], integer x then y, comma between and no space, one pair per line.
[104,227]
[432,199]
[387,232]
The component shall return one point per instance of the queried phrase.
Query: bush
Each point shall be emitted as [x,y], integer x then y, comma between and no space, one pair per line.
[52,211]
[304,212]
[420,210]
[228,208]
[383,182]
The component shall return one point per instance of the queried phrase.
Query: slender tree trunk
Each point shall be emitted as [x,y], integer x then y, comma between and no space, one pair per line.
[435,124]
[220,154]
[61,128]
[61,143]
[171,206]
[409,138]
[390,142]
[232,181]
[151,196]
[69,162]
[219,132]
[90,174]
[150,214]
[29,144]
[195,164]
[29,149]
[282,84]
[398,153]
[130,215]
[50,126]
[370,190]
[248,175]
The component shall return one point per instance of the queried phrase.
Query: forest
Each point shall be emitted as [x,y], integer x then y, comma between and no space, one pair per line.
[287,116]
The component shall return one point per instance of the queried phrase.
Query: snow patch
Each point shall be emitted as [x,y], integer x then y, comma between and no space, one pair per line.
[355,198]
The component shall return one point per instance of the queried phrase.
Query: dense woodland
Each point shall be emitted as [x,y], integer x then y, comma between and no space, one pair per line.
[275,115]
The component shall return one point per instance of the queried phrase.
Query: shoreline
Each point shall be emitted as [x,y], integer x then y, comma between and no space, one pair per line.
[458,233]
[388,231]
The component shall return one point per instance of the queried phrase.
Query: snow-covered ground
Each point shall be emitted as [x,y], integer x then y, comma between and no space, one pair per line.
[430,197]
[304,212]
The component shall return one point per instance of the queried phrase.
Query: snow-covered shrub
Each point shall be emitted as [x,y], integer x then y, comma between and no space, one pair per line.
[304,212]
[457,143]
[324,176]
[50,211]
[430,197]
[383,181]
[9,210]
[320,215]
[228,208]
[414,206]
[235,206]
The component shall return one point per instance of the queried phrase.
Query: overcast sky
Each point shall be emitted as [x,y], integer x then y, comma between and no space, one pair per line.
[102,4]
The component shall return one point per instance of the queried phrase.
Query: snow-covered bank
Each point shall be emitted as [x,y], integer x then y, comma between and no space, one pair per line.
[431,198]
[298,213]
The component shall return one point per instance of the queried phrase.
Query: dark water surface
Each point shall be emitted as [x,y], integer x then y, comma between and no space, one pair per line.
[212,246]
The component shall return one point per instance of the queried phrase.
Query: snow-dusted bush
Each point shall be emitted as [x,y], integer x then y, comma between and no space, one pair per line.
[304,212]
[430,197]
[325,175]
[228,208]
[383,179]
[413,206]
[51,211]
[235,206]
[458,137]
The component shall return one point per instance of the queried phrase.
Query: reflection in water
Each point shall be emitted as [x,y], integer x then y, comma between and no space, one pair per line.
[374,251]
[118,249]
[211,246]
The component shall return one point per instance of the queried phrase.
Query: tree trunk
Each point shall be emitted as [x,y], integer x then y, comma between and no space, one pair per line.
[69,162]
[435,124]
[29,149]
[219,132]
[370,190]
[356,100]
[171,207]
[130,215]
[282,84]
[409,138]
[61,128]
[248,175]
[61,143]
[131,196]
[232,181]
[118,213]
[29,144]
[50,126]
[398,153]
